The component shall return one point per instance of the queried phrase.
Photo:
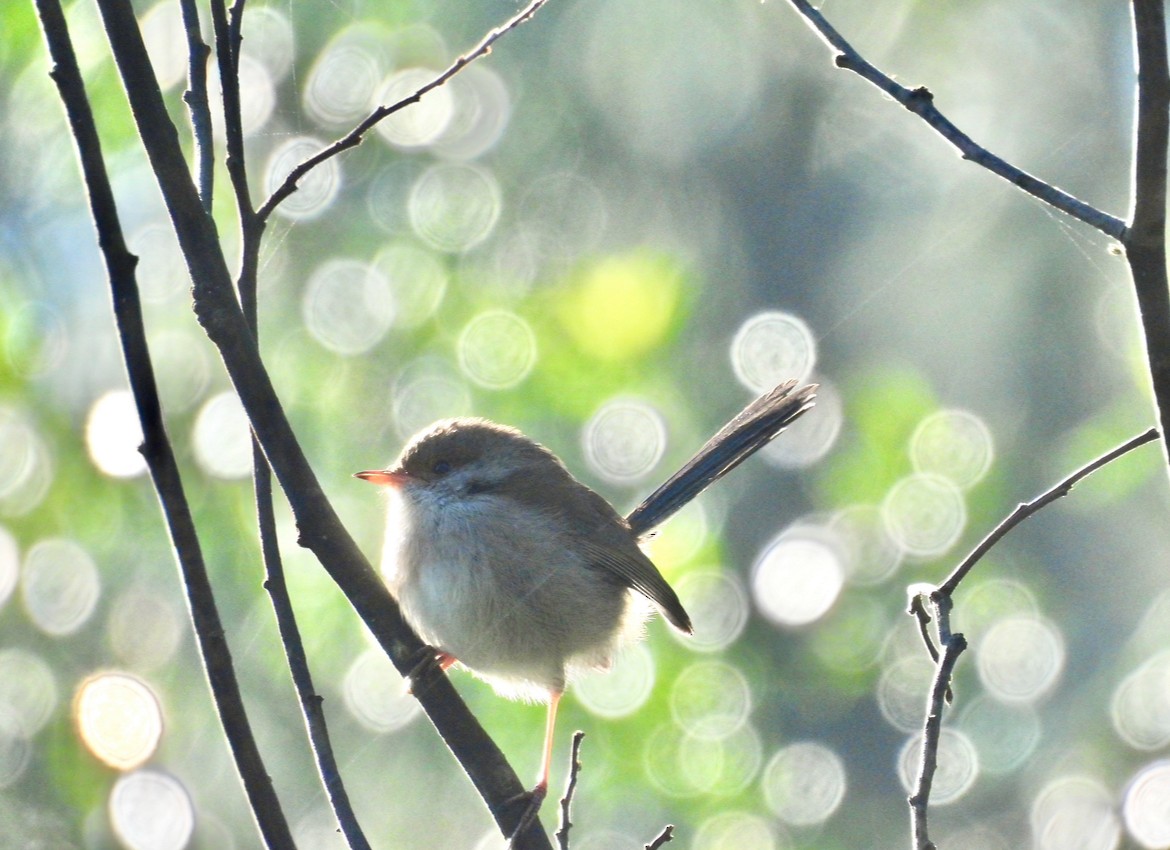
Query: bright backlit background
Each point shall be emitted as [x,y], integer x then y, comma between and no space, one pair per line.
[612,232]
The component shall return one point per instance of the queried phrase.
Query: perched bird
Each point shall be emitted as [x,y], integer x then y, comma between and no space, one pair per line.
[504,562]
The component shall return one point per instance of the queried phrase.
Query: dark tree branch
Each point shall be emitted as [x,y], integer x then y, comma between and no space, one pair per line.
[156,448]
[953,644]
[198,103]
[355,136]
[921,103]
[1145,236]
[320,529]
[1027,509]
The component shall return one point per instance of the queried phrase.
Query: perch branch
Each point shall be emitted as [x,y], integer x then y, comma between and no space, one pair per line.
[320,528]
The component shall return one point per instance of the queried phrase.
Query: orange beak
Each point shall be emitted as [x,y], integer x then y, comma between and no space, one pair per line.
[383,477]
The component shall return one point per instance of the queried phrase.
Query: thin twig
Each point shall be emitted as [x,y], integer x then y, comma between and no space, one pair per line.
[666,835]
[156,448]
[198,103]
[1145,237]
[567,800]
[921,103]
[1027,509]
[354,137]
[320,528]
[953,646]
[227,55]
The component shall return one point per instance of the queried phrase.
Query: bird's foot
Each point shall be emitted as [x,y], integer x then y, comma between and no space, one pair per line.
[430,662]
[532,800]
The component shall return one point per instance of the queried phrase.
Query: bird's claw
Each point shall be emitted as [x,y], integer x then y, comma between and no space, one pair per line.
[430,662]
[533,800]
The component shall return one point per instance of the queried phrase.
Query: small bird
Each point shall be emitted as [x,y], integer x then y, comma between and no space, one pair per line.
[504,562]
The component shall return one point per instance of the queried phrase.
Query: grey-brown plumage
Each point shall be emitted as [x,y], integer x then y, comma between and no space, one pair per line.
[503,561]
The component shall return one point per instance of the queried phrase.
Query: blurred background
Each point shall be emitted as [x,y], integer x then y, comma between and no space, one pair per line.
[612,232]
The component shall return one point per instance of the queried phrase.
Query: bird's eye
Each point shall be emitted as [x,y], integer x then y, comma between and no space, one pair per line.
[441,467]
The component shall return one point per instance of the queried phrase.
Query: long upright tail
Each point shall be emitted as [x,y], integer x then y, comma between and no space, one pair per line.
[754,427]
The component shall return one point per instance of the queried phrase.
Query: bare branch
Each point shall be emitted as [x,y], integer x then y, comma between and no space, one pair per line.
[921,103]
[355,136]
[198,103]
[320,528]
[157,450]
[953,646]
[1145,238]
[1027,509]
[666,835]
[567,800]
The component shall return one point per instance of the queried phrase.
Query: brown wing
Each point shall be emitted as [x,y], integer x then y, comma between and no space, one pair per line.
[612,546]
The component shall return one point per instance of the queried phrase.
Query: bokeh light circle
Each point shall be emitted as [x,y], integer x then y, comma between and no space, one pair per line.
[342,82]
[166,43]
[718,605]
[316,191]
[161,271]
[497,349]
[222,438]
[624,440]
[60,586]
[25,464]
[1146,807]
[621,690]
[797,577]
[144,629]
[270,39]
[15,750]
[955,444]
[376,694]
[735,830]
[119,719]
[1074,813]
[9,565]
[480,112]
[957,769]
[1140,708]
[418,124]
[1020,658]
[113,434]
[151,810]
[804,783]
[347,306]
[183,367]
[426,390]
[710,700]
[810,437]
[924,514]
[902,690]
[871,555]
[772,347]
[417,281]
[28,690]
[453,207]
[1004,734]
